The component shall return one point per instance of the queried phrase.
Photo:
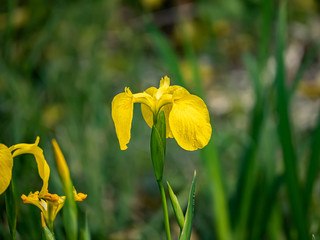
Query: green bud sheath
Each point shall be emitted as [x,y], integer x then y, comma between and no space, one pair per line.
[176,207]
[158,144]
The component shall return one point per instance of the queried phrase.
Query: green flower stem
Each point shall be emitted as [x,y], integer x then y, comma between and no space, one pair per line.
[50,226]
[165,209]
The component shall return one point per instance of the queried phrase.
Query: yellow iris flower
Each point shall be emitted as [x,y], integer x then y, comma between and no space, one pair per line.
[6,163]
[187,116]
[50,204]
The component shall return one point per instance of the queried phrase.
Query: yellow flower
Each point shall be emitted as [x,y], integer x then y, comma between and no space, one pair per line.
[187,116]
[6,163]
[50,204]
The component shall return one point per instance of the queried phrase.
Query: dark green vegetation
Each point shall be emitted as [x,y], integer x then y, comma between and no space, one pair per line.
[254,62]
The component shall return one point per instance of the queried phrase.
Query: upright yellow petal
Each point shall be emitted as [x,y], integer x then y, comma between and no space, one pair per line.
[6,164]
[189,121]
[164,82]
[122,113]
[163,88]
[43,167]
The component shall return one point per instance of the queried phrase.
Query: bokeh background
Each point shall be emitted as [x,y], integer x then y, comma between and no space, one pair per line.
[62,62]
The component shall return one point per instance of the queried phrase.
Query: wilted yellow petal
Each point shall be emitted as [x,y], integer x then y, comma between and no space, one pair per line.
[43,167]
[49,204]
[79,196]
[189,121]
[6,164]
[33,198]
[122,112]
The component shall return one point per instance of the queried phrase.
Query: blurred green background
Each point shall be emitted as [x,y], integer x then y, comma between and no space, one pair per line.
[254,62]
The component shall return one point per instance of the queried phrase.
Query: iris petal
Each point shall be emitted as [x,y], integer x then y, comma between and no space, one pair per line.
[43,167]
[148,117]
[147,114]
[145,110]
[122,113]
[189,121]
[6,164]
[167,109]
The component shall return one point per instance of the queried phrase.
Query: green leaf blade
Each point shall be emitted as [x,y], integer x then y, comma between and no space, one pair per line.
[186,231]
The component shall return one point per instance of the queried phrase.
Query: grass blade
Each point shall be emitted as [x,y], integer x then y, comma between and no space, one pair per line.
[187,227]
[265,32]
[309,58]
[285,135]
[209,156]
[313,163]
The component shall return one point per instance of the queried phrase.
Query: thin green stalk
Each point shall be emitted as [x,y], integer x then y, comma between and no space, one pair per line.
[50,226]
[165,210]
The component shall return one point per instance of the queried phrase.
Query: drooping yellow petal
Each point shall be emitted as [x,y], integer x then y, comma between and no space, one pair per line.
[189,121]
[122,113]
[43,167]
[6,164]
